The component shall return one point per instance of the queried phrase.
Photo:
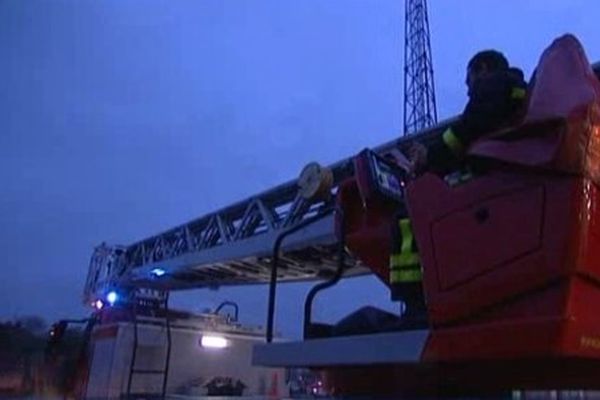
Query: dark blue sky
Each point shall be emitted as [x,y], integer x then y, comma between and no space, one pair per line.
[121,118]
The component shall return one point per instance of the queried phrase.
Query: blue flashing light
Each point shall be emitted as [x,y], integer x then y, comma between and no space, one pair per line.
[158,272]
[112,297]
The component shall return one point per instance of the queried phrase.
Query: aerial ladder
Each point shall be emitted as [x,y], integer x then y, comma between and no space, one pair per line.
[516,318]
[510,269]
[233,245]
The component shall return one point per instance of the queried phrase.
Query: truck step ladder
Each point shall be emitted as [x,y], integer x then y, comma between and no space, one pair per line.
[161,309]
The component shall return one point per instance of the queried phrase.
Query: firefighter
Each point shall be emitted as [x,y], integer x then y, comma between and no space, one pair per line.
[497,95]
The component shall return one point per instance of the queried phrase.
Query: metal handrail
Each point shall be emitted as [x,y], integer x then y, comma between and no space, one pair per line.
[236,309]
[341,266]
[275,265]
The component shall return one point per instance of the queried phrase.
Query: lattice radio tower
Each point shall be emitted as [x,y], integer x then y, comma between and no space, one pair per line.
[419,92]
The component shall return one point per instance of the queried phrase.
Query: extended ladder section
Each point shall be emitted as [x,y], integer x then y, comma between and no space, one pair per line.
[232,246]
[162,311]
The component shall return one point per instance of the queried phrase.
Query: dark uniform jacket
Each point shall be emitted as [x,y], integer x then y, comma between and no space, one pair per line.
[494,102]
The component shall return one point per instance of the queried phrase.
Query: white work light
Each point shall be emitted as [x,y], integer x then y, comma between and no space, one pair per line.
[214,342]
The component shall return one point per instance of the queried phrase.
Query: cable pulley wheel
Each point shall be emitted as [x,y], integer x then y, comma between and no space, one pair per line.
[315,182]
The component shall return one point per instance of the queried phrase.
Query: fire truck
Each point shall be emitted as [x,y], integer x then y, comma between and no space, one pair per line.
[509,256]
[139,348]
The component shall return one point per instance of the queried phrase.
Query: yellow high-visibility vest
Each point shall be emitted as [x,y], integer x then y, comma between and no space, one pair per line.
[405,264]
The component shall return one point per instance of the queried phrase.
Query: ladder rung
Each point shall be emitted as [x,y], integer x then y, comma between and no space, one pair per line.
[148,371]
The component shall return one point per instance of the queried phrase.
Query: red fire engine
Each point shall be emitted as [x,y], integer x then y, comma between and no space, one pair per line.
[510,257]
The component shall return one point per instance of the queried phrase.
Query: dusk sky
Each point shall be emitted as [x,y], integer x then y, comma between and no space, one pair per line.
[122,118]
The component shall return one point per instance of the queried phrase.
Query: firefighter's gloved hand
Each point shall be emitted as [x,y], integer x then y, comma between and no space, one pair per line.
[417,156]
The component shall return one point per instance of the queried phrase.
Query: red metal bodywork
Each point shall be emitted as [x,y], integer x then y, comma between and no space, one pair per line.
[511,258]
[367,229]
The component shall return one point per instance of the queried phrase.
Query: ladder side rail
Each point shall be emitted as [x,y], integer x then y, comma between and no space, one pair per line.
[200,235]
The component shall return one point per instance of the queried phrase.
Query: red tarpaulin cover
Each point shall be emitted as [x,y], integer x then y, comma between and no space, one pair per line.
[566,92]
